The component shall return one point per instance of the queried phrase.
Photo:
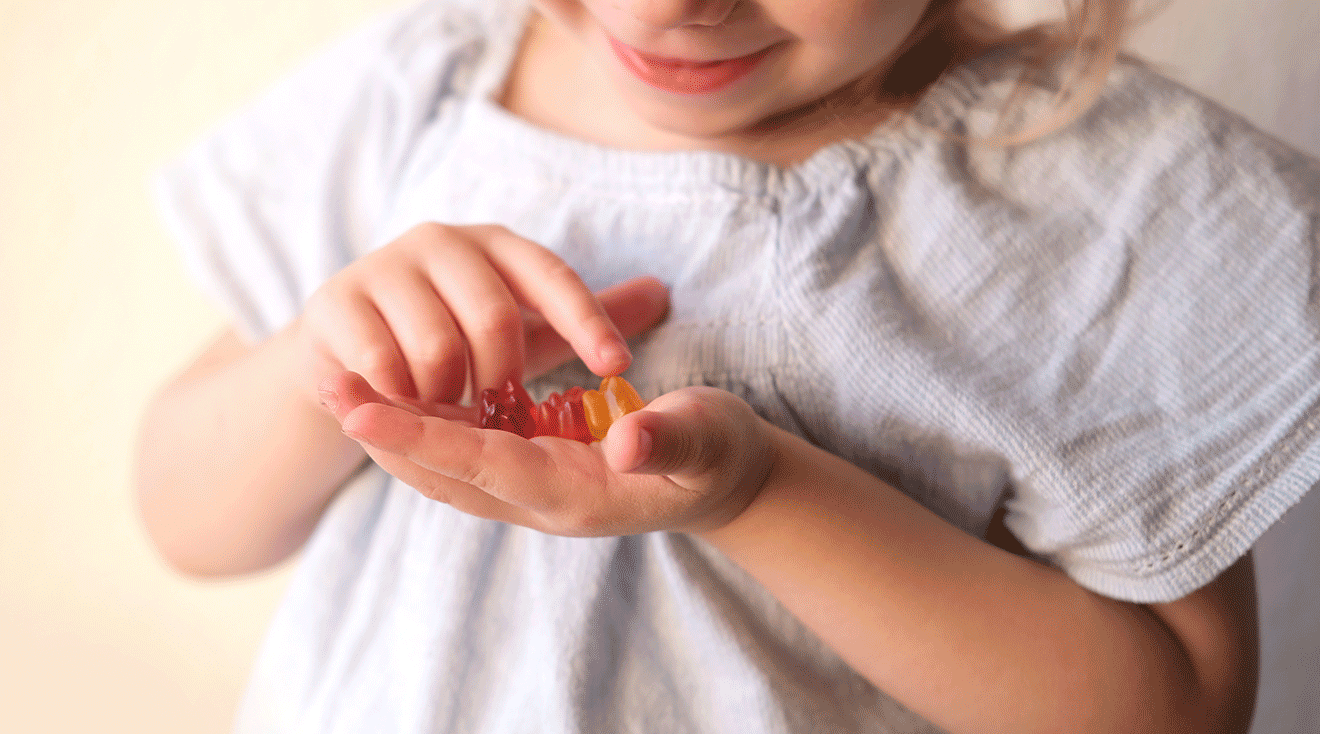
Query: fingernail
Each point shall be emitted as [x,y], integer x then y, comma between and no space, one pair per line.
[329,399]
[643,450]
[359,438]
[614,353]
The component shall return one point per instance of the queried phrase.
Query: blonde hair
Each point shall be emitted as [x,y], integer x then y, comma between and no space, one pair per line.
[1085,44]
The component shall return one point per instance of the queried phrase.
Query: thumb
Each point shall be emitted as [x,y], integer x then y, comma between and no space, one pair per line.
[634,306]
[679,434]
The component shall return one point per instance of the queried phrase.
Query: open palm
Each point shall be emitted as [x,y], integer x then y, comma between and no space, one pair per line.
[690,460]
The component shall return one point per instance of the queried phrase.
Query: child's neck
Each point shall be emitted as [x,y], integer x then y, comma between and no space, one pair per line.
[588,108]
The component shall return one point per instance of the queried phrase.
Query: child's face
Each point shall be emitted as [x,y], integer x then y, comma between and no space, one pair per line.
[775,55]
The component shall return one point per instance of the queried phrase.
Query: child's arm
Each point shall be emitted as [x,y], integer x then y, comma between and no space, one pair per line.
[237,457]
[234,463]
[972,637]
[978,639]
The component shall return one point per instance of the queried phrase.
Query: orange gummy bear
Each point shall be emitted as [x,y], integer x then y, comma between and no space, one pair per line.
[602,407]
[580,415]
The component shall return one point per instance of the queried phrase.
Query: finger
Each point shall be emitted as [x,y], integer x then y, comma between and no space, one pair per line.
[362,342]
[542,281]
[677,434]
[466,414]
[459,495]
[657,443]
[507,467]
[439,446]
[344,392]
[634,306]
[429,339]
[482,306]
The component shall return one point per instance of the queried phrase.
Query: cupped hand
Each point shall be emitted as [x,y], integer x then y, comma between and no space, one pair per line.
[446,309]
[690,461]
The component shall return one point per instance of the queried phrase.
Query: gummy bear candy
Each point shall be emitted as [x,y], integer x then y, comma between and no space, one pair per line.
[509,409]
[562,415]
[602,407]
[579,415]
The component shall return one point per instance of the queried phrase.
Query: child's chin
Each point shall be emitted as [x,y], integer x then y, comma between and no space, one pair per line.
[713,129]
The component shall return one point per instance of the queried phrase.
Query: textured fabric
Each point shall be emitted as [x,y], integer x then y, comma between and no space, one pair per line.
[1111,332]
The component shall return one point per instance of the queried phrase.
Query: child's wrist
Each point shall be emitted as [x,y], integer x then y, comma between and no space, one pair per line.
[781,463]
[289,364]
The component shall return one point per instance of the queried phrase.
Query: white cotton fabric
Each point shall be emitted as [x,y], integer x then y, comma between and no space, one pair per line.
[1111,332]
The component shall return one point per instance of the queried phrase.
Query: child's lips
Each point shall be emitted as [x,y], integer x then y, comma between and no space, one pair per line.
[682,76]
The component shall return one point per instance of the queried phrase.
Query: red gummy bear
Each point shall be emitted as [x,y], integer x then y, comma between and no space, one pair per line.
[579,415]
[563,416]
[509,410]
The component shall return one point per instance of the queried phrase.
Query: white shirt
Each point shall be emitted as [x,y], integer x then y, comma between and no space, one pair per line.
[1111,332]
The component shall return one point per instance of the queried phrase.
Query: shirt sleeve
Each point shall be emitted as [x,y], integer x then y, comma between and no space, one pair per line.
[1175,416]
[285,193]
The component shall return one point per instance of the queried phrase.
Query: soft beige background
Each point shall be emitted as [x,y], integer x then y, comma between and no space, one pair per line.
[95,633]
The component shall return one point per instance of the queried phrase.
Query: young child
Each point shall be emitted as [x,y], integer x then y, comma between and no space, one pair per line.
[950,427]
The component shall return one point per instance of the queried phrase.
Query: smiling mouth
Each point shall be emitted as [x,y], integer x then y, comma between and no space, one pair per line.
[680,76]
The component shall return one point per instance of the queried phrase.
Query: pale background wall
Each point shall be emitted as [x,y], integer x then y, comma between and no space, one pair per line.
[95,633]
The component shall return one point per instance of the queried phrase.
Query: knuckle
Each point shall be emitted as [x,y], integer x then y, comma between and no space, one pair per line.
[491,231]
[686,452]
[437,491]
[497,321]
[570,521]
[422,239]
[333,292]
[316,301]
[505,243]
[438,356]
[712,453]
[703,450]
[426,232]
[473,472]
[556,270]
[376,361]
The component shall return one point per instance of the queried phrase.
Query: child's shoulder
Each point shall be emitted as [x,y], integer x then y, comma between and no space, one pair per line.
[999,92]
[1145,138]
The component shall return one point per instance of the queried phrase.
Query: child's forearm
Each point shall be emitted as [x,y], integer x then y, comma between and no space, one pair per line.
[235,465]
[974,638]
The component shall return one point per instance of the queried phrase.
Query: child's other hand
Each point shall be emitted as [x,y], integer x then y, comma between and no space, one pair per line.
[443,308]
[690,461]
